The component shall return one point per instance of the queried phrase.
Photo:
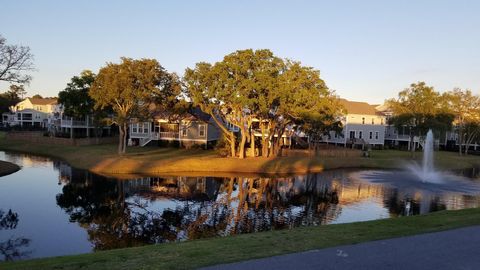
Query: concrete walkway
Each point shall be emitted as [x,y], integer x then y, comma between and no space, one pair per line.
[449,250]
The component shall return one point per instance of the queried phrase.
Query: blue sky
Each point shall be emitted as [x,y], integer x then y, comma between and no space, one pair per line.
[365,50]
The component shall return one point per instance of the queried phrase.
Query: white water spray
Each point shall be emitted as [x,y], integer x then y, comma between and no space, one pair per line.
[428,156]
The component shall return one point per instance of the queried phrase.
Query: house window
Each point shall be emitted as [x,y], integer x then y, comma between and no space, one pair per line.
[359,134]
[145,127]
[184,131]
[363,120]
[201,131]
[134,128]
[373,121]
[381,121]
[352,134]
[371,135]
[376,135]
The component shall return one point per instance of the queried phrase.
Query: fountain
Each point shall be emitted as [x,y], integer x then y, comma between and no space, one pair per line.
[420,176]
[427,172]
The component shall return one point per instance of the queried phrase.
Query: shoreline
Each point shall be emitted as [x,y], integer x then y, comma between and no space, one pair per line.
[154,161]
[7,168]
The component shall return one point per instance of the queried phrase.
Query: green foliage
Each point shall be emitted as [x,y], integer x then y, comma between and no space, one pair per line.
[420,108]
[252,86]
[75,98]
[11,97]
[130,87]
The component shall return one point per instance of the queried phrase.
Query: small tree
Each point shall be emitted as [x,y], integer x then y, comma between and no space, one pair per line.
[128,88]
[14,61]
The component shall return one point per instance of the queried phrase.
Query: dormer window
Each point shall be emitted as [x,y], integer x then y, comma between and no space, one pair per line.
[363,120]
[373,121]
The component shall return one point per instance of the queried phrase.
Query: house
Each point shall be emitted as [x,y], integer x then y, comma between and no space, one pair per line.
[363,124]
[192,128]
[32,112]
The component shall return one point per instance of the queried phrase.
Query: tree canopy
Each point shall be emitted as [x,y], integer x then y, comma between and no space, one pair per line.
[74,98]
[255,89]
[129,87]
[465,106]
[420,108]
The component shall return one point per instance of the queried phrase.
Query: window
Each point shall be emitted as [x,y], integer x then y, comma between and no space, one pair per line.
[381,121]
[352,134]
[363,120]
[371,135]
[134,128]
[373,121]
[201,131]
[359,134]
[184,131]
[145,127]
[376,135]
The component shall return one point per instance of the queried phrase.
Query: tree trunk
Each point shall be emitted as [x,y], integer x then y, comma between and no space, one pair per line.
[232,143]
[241,147]
[125,133]
[412,146]
[264,140]
[252,142]
[460,140]
[120,139]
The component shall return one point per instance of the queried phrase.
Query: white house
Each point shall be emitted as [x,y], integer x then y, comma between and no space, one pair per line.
[32,112]
[363,124]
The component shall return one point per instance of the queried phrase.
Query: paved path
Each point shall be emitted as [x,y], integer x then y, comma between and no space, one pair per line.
[449,250]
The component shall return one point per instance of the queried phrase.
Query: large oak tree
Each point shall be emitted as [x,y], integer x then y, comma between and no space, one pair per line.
[248,86]
[129,88]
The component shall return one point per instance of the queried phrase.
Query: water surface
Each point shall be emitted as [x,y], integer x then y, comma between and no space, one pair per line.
[49,208]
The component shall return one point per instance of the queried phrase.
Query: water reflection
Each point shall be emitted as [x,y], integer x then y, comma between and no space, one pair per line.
[68,211]
[163,209]
[15,247]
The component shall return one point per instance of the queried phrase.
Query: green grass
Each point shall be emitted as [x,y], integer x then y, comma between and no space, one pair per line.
[198,253]
[155,160]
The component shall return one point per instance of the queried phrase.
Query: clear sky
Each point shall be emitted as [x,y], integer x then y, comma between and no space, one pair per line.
[365,50]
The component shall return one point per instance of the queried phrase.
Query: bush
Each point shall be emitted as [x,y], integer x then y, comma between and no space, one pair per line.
[223,147]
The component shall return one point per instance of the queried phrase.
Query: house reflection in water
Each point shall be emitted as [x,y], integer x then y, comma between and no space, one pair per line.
[121,213]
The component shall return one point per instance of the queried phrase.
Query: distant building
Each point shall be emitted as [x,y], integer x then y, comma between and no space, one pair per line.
[363,124]
[32,112]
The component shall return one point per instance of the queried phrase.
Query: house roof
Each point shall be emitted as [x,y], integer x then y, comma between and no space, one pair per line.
[43,101]
[356,107]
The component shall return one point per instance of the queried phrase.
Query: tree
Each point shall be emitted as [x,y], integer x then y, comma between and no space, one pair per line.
[14,61]
[465,106]
[11,97]
[248,86]
[74,98]
[419,108]
[18,91]
[129,87]
[37,96]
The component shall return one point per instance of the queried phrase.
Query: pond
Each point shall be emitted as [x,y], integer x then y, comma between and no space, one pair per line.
[49,208]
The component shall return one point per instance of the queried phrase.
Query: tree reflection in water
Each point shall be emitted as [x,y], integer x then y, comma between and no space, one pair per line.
[11,249]
[123,213]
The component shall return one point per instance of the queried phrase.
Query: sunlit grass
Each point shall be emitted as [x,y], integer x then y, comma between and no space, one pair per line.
[155,160]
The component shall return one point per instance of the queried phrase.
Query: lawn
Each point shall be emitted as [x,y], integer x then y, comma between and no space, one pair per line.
[198,253]
[103,159]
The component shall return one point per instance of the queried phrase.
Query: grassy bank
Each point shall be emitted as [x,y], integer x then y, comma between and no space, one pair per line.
[198,253]
[7,168]
[154,160]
